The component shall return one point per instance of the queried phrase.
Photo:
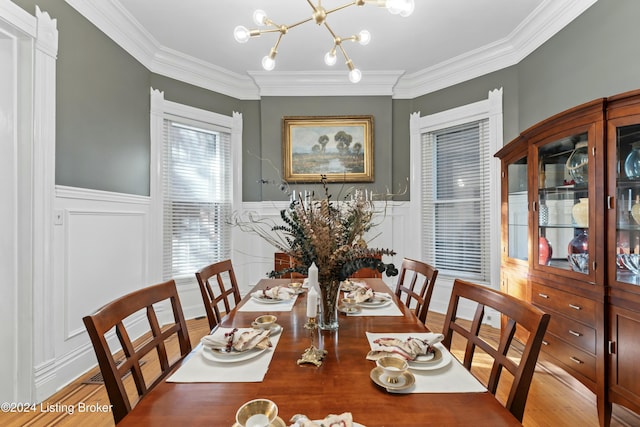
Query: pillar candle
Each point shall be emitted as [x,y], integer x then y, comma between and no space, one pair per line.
[312,274]
[312,302]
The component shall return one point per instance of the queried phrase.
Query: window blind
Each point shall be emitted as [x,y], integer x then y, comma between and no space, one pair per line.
[455,199]
[197,198]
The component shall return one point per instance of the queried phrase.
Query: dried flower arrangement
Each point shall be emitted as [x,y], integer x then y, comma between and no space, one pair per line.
[329,233]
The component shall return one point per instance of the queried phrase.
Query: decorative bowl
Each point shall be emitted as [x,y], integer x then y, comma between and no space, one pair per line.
[629,261]
[257,413]
[579,262]
[392,368]
[266,321]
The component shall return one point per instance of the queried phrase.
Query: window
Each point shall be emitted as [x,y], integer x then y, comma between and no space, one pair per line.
[196,183]
[455,201]
[456,189]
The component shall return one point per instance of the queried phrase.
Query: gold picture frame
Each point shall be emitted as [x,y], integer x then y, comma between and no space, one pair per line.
[340,147]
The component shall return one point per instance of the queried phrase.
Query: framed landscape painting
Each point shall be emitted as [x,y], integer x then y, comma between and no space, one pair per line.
[340,147]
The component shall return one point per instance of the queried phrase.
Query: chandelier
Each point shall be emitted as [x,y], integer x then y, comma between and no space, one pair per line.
[319,16]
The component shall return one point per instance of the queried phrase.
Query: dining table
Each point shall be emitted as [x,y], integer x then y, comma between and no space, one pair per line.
[343,382]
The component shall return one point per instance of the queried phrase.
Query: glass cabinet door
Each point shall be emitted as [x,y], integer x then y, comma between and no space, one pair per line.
[562,204]
[518,219]
[628,205]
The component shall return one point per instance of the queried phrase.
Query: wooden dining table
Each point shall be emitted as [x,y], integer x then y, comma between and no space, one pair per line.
[341,384]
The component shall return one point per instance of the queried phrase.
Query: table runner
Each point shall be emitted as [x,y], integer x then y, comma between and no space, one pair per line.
[452,378]
[251,305]
[198,369]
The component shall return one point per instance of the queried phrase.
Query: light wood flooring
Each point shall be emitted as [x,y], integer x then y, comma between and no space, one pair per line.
[555,398]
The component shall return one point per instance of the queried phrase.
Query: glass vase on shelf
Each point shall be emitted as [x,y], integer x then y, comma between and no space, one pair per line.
[632,162]
[578,252]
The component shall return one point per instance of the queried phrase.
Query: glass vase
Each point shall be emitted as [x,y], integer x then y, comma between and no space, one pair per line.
[329,293]
[632,162]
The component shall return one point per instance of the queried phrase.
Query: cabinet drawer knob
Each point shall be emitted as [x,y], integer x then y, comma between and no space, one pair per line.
[575,307]
[545,343]
[576,360]
[574,333]
[545,296]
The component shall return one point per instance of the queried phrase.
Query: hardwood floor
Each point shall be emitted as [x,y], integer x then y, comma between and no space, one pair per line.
[555,398]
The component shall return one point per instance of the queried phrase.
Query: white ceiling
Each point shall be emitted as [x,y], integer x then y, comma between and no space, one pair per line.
[441,43]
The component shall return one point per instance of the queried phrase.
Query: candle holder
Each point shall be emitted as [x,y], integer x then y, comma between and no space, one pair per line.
[312,354]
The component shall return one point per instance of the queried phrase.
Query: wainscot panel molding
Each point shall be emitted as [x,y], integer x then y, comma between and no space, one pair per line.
[101,251]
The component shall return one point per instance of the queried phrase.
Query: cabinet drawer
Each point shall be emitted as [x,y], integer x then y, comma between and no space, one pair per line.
[575,359]
[573,306]
[573,332]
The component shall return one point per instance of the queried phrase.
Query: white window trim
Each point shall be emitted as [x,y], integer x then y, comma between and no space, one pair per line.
[491,109]
[162,109]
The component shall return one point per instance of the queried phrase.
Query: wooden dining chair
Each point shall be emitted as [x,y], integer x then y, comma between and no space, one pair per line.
[518,358]
[415,286]
[224,293]
[122,367]
[282,261]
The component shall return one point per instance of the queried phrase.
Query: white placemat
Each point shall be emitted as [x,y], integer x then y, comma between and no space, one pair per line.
[199,369]
[452,378]
[390,309]
[253,305]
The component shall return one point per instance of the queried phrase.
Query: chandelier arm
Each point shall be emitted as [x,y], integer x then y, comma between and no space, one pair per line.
[275,46]
[353,3]
[336,39]
[299,23]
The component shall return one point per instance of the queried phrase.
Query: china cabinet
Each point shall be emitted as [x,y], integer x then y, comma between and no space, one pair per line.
[561,264]
[623,248]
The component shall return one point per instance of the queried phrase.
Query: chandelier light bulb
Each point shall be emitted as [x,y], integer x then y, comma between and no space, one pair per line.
[402,7]
[259,17]
[241,34]
[355,75]
[268,63]
[364,37]
[330,58]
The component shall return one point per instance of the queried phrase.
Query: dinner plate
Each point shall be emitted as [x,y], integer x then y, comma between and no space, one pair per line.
[405,380]
[266,300]
[230,357]
[350,285]
[376,301]
[275,329]
[440,359]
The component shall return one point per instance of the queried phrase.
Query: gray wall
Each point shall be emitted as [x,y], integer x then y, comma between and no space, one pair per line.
[274,108]
[103,101]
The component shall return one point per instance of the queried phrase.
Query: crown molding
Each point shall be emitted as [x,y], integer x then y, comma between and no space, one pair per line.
[547,20]
[324,83]
[111,18]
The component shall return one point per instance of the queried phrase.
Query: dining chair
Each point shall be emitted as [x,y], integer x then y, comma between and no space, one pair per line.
[518,358]
[123,366]
[226,290]
[282,261]
[415,285]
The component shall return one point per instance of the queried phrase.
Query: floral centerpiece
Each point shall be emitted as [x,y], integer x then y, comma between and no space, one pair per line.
[329,234]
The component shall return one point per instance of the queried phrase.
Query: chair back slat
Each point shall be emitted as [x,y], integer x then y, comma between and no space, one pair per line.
[417,291]
[112,317]
[519,359]
[221,277]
